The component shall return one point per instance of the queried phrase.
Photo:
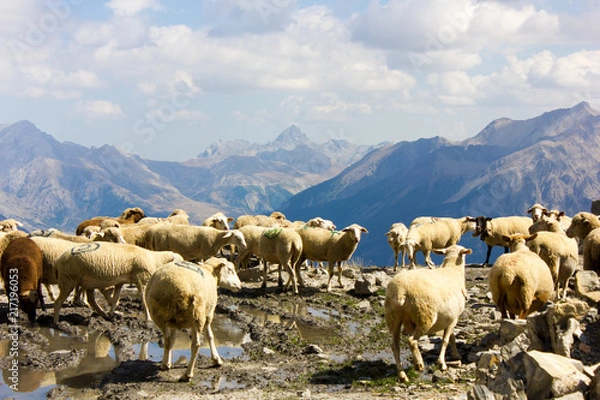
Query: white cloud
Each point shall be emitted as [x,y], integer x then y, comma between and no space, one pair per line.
[98,109]
[132,7]
[325,107]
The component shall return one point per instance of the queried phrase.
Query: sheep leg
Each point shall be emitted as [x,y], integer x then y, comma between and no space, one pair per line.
[428,260]
[292,277]
[446,338]
[169,338]
[395,260]
[265,272]
[280,278]
[487,256]
[91,295]
[413,343]
[41,296]
[395,328]
[330,267]
[50,291]
[65,291]
[114,299]
[189,372]
[339,273]
[214,354]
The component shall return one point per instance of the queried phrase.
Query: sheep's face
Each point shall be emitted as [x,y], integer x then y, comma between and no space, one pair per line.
[481,226]
[354,231]
[28,303]
[237,239]
[580,226]
[228,278]
[537,211]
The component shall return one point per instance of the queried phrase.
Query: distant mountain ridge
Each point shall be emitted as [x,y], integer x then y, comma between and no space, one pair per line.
[47,183]
[553,159]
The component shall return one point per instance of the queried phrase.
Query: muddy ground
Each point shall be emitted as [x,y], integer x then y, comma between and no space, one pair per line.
[314,345]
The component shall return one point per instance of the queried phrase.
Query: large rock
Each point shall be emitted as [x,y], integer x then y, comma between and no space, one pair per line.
[587,285]
[550,375]
[369,283]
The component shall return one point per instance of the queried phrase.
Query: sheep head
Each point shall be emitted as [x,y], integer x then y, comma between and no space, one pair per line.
[28,302]
[225,273]
[355,230]
[517,241]
[537,211]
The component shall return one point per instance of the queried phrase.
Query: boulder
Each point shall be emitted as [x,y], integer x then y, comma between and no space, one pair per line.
[550,375]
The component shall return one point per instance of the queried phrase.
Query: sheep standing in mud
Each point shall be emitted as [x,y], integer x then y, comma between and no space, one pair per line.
[183,295]
[425,301]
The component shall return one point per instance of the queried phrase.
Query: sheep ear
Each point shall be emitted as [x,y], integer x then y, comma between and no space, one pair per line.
[364,230]
[527,239]
[229,219]
[440,251]
[466,251]
[387,234]
[228,234]
[488,218]
[505,238]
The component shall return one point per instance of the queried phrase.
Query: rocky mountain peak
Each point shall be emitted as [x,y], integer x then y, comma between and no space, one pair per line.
[290,138]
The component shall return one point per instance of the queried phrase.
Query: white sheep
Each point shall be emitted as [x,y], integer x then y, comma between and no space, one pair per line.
[439,234]
[218,220]
[275,219]
[282,246]
[53,247]
[178,216]
[520,281]
[423,220]
[425,301]
[9,225]
[183,295]
[561,217]
[192,242]
[584,226]
[320,244]
[396,237]
[558,251]
[99,265]
[321,223]
[110,234]
[492,230]
[252,236]
[537,211]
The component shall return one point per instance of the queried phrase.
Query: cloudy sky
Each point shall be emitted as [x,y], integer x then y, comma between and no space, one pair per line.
[165,79]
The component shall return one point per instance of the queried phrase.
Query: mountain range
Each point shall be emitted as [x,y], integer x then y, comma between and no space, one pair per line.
[46,183]
[552,159]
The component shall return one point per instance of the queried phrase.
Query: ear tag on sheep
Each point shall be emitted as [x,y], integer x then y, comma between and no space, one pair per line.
[272,232]
[190,266]
[84,248]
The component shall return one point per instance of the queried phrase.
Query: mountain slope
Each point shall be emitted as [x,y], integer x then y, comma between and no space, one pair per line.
[552,159]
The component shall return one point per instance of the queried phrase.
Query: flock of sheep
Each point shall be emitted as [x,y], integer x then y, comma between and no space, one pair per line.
[176,266]
[544,254]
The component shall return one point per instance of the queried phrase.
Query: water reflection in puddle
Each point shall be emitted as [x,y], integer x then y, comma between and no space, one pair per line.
[102,357]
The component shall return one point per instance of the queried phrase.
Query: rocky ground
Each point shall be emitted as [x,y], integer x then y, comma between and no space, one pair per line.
[344,355]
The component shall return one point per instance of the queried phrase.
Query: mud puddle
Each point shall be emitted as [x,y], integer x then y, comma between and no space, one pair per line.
[100,357]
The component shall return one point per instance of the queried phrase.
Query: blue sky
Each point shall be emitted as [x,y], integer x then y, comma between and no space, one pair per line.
[166,79]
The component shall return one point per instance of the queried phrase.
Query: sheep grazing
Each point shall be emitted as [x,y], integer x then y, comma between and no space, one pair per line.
[252,236]
[110,234]
[492,230]
[129,216]
[320,244]
[192,242]
[425,301]
[99,265]
[396,238]
[284,247]
[520,281]
[557,250]
[9,225]
[439,234]
[584,226]
[537,211]
[21,266]
[183,295]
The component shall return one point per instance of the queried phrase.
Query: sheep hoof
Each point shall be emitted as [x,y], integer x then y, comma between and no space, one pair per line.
[185,378]
[403,377]
[164,367]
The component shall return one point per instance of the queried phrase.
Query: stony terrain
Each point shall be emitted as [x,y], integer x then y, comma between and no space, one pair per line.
[342,352]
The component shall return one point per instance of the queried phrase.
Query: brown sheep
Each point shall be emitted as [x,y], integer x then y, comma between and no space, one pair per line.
[21,266]
[129,216]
